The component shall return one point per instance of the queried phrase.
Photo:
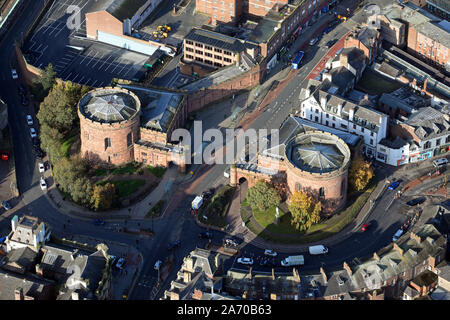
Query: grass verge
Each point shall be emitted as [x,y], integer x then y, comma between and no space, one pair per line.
[156,210]
[157,171]
[125,187]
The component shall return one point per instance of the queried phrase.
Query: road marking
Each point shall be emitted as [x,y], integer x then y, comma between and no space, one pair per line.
[92,58]
[98,60]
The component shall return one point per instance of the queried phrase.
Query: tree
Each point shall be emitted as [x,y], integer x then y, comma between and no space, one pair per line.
[51,140]
[305,211]
[103,196]
[263,196]
[66,171]
[42,86]
[359,174]
[81,190]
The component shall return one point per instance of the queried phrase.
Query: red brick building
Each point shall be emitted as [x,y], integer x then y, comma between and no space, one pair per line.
[367,39]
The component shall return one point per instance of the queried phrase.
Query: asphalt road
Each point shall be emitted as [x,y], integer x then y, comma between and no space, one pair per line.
[178,225]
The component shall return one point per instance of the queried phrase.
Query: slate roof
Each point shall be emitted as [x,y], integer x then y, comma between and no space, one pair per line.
[445,272]
[215,39]
[341,77]
[365,35]
[429,123]
[397,143]
[32,287]
[23,257]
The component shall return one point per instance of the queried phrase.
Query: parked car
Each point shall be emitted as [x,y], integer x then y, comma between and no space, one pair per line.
[266,263]
[331,43]
[29,120]
[24,100]
[205,235]
[271,253]
[121,263]
[173,245]
[35,141]
[247,261]
[397,235]
[231,242]
[6,205]
[14,74]
[365,226]
[416,201]
[313,41]
[21,89]
[43,184]
[4,155]
[33,133]
[41,167]
[99,222]
[394,185]
[158,265]
[207,194]
[39,153]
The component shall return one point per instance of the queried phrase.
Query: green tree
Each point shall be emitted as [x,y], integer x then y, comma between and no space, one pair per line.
[81,190]
[304,210]
[103,196]
[51,140]
[44,83]
[263,196]
[66,171]
[359,174]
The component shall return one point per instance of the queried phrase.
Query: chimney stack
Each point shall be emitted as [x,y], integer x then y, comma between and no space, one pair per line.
[324,275]
[396,247]
[347,267]
[323,102]
[340,109]
[414,236]
[351,114]
[18,294]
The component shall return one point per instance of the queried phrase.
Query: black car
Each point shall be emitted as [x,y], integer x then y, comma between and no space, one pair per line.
[331,43]
[173,245]
[207,194]
[416,201]
[36,141]
[39,153]
[21,89]
[205,235]
[266,263]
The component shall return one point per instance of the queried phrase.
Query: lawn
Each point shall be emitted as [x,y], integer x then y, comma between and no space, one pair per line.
[130,168]
[65,146]
[125,187]
[376,84]
[285,233]
[156,210]
[157,171]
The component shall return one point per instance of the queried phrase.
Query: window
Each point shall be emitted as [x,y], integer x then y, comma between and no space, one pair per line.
[317,119]
[107,143]
[189,49]
[188,56]
[208,47]
[144,154]
[208,61]
[334,118]
[228,53]
[344,126]
[427,145]
[227,60]
[199,51]
[322,192]
[218,50]
[129,140]
[198,45]
[208,54]
[217,57]
[438,142]
[371,141]
[189,42]
[198,59]
[354,126]
[298,186]
[327,115]
[371,134]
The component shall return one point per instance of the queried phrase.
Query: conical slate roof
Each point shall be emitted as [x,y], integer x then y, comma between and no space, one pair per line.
[318,156]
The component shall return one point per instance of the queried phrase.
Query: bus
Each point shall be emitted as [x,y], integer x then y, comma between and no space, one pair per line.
[298,58]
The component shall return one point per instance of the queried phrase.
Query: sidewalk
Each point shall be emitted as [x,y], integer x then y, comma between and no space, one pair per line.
[123,281]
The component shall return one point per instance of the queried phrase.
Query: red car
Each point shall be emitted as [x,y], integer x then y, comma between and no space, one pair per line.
[4,155]
[364,227]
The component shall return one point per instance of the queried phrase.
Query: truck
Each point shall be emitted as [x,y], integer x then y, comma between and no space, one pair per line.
[319,249]
[293,261]
[197,202]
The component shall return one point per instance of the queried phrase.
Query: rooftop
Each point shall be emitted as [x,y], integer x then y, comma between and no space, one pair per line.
[158,107]
[120,9]
[109,105]
[31,287]
[215,39]
[317,152]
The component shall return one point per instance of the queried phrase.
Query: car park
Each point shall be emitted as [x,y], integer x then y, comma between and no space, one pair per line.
[41,167]
[33,133]
[14,74]
[271,253]
[416,201]
[6,205]
[43,184]
[205,235]
[29,120]
[173,245]
[246,261]
[394,185]
[120,263]
[99,222]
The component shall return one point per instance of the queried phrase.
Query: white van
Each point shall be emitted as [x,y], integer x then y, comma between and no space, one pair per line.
[313,41]
[319,249]
[440,162]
